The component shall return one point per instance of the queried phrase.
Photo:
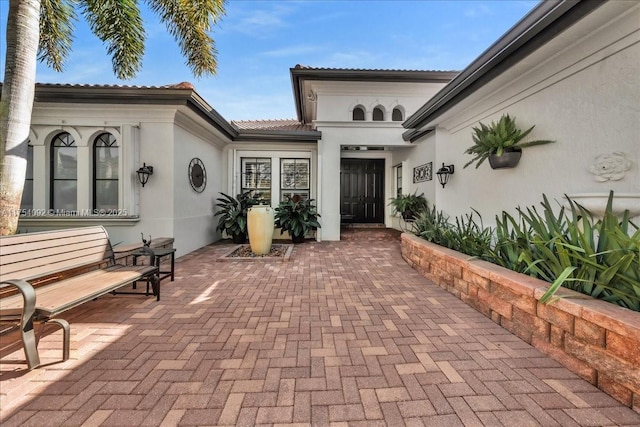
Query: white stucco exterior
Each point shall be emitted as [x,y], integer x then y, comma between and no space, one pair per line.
[579,86]
[581,90]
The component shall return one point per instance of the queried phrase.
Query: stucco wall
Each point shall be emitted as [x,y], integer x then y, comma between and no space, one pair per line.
[193,221]
[418,154]
[580,90]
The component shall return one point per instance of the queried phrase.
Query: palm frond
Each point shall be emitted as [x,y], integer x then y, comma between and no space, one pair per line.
[57,19]
[190,23]
[119,25]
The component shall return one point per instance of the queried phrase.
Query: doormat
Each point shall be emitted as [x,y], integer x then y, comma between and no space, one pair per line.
[244,253]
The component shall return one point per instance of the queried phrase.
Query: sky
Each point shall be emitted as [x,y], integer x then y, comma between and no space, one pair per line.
[258,41]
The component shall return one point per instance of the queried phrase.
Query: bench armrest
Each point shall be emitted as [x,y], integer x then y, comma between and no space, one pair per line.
[26,320]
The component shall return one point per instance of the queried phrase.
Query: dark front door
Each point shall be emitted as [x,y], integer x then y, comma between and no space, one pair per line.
[362,190]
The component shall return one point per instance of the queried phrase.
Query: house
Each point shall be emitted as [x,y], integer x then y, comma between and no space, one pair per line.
[361,136]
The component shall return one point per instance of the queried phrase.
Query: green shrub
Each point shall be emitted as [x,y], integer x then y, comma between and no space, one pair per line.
[568,248]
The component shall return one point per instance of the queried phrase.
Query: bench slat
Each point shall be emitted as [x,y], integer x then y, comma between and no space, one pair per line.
[34,255]
[8,241]
[61,296]
[27,246]
[33,268]
[64,248]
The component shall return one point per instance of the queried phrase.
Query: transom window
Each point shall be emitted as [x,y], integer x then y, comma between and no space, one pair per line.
[256,178]
[294,178]
[105,173]
[378,114]
[358,114]
[64,173]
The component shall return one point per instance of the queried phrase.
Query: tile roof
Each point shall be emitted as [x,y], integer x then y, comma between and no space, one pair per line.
[181,85]
[275,125]
[306,67]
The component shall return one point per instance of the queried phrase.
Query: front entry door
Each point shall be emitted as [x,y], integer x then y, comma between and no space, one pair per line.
[362,190]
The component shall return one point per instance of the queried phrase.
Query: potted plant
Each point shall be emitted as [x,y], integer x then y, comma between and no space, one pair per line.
[233,215]
[409,205]
[298,216]
[500,142]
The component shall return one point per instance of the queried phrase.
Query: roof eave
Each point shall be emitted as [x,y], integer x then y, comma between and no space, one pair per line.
[540,25]
[412,135]
[135,95]
[279,136]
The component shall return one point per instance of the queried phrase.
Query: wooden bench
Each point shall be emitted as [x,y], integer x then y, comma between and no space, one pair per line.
[55,271]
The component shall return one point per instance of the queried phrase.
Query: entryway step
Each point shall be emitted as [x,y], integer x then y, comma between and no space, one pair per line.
[369,233]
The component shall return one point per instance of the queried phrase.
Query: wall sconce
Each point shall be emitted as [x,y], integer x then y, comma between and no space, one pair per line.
[443,174]
[143,173]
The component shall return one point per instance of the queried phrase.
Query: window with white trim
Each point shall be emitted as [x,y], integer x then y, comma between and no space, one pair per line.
[358,114]
[397,115]
[398,179]
[256,177]
[64,173]
[378,114]
[105,173]
[295,177]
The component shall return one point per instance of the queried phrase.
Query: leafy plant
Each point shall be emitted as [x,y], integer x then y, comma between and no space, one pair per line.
[498,138]
[465,235]
[410,206]
[233,214]
[567,248]
[297,216]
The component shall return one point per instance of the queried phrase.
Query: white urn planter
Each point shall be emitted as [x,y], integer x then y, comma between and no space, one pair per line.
[260,225]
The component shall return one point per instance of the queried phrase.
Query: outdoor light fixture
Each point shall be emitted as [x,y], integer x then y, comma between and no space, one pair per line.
[443,174]
[143,173]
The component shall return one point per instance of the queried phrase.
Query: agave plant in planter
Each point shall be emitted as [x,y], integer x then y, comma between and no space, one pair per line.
[500,142]
[409,205]
[297,216]
[233,215]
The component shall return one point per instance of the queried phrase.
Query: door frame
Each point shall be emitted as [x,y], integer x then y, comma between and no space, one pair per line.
[387,156]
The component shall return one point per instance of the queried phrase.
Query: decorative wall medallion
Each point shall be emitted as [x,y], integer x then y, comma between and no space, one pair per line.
[610,166]
[197,175]
[423,173]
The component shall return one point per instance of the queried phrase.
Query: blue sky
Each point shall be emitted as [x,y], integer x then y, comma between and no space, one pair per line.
[259,40]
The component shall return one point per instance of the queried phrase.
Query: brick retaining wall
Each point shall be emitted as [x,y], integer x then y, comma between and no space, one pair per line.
[597,340]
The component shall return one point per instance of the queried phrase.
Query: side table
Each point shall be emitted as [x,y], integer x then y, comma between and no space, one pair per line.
[159,254]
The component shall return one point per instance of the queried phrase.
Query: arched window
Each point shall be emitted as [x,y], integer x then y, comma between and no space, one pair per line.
[27,193]
[397,115]
[64,173]
[358,113]
[105,173]
[378,114]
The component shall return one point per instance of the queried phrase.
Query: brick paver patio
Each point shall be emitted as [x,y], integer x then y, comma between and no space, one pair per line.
[346,333]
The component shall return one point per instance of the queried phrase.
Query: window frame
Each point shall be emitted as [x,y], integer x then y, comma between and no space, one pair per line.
[398,173]
[95,179]
[52,163]
[361,110]
[253,190]
[302,191]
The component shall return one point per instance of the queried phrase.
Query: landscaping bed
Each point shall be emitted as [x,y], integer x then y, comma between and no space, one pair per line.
[597,340]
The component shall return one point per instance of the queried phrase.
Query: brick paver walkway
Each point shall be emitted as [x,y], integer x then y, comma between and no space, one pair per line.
[343,334]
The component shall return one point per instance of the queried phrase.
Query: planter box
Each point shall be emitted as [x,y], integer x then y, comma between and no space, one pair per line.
[597,340]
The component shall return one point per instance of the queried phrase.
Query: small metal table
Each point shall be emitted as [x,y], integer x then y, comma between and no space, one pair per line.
[159,254]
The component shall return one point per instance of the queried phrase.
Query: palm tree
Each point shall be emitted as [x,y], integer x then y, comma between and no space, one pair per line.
[43,29]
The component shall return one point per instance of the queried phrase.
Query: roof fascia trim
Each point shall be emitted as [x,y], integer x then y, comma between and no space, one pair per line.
[139,96]
[538,27]
[413,135]
[286,136]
